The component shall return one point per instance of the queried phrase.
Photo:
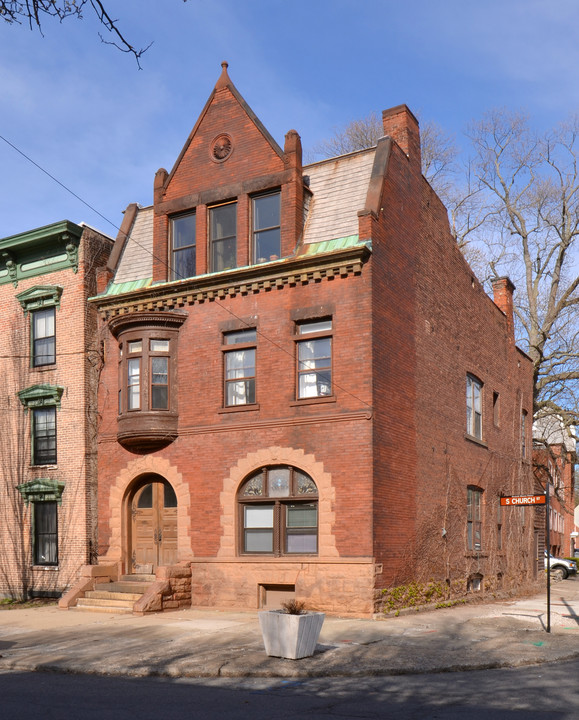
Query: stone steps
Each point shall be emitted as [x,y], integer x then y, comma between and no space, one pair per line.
[115,597]
[112,595]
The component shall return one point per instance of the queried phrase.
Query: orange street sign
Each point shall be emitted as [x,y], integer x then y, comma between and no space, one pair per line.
[523,500]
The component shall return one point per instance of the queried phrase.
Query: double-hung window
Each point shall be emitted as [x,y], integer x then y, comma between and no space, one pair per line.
[239,367]
[223,237]
[45,533]
[183,246]
[43,337]
[44,494]
[159,373]
[42,402]
[474,407]
[44,436]
[474,518]
[314,359]
[134,350]
[40,303]
[266,227]
[147,374]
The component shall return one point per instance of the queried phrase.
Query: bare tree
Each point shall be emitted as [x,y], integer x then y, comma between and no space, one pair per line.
[530,188]
[34,12]
[438,150]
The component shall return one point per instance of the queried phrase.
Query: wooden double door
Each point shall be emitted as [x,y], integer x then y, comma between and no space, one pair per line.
[154,525]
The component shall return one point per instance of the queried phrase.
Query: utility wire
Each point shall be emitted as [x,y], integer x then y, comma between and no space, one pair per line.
[165,264]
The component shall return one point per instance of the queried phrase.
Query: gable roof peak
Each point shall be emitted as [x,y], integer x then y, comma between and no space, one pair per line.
[224,79]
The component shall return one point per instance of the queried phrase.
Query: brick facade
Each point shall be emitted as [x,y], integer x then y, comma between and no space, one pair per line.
[74,253]
[387,448]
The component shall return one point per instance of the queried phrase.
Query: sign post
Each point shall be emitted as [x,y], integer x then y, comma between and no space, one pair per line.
[543,499]
[548,544]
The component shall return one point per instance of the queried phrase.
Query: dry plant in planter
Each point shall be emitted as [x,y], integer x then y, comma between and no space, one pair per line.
[292,632]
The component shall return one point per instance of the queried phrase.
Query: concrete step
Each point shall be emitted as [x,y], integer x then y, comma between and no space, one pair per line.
[105,602]
[102,609]
[137,578]
[123,587]
[105,594]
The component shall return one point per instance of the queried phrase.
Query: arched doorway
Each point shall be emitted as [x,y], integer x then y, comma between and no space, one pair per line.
[153,524]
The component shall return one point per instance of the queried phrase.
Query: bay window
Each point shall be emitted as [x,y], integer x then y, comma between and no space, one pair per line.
[147,376]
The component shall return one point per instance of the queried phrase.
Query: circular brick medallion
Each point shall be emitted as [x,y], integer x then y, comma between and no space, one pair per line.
[221,148]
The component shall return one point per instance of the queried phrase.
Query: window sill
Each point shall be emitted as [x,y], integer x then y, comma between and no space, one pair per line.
[46,568]
[271,556]
[238,408]
[475,440]
[314,400]
[48,466]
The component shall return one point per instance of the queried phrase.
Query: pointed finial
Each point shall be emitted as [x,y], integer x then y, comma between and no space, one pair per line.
[224,77]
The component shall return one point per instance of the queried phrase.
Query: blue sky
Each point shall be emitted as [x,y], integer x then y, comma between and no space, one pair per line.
[85,113]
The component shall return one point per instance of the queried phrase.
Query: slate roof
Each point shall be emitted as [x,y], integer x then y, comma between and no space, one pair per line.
[136,262]
[339,186]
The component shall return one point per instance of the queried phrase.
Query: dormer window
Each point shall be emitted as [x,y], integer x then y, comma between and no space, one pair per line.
[183,246]
[266,227]
[223,237]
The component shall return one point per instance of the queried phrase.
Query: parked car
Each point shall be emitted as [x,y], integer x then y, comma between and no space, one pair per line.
[560,567]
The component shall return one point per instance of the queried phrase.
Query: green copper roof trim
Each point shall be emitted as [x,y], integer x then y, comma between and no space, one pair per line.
[318,248]
[42,490]
[40,234]
[40,396]
[125,287]
[37,252]
[326,246]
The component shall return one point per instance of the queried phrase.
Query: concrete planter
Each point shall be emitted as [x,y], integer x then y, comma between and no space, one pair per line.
[290,636]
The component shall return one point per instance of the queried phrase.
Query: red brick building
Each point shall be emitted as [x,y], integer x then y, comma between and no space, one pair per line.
[50,362]
[306,390]
[554,456]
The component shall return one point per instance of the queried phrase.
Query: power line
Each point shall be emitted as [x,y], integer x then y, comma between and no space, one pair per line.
[162,262]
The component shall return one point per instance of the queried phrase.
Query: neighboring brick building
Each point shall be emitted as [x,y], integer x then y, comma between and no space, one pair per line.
[306,390]
[554,461]
[50,364]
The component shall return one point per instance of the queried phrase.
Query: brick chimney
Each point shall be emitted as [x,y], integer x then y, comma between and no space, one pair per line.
[401,125]
[503,298]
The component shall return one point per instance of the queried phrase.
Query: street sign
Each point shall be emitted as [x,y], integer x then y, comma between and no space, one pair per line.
[523,500]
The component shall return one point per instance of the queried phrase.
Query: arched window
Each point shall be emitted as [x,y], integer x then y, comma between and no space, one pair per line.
[278,512]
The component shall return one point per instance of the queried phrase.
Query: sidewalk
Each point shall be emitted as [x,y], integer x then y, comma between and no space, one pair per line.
[206,643]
